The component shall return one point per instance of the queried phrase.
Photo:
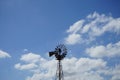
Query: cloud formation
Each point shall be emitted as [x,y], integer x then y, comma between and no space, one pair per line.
[30,61]
[73,39]
[94,25]
[74,68]
[83,68]
[110,50]
[30,57]
[26,66]
[94,66]
[4,54]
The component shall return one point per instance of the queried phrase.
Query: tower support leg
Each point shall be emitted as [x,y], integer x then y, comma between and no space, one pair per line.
[59,72]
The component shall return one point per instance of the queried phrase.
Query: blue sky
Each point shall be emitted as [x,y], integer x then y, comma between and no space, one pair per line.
[29,29]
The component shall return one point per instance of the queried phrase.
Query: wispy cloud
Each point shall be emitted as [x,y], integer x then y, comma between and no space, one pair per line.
[94,25]
[4,54]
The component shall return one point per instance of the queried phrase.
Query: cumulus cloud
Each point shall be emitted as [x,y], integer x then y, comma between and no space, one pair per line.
[94,25]
[4,54]
[74,68]
[31,57]
[83,68]
[100,51]
[30,61]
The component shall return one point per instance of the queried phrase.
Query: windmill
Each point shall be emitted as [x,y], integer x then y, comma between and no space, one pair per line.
[60,52]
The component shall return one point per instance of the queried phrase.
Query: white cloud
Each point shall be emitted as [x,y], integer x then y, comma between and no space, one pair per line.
[4,54]
[93,26]
[116,73]
[30,57]
[113,72]
[73,39]
[74,68]
[109,50]
[26,66]
[75,27]
[30,60]
[83,68]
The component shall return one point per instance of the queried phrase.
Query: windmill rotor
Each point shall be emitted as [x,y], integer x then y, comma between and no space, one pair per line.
[60,52]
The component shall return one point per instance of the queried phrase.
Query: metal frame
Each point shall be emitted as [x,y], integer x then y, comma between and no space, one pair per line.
[60,53]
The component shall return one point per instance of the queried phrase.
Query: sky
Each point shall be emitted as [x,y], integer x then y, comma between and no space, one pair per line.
[90,29]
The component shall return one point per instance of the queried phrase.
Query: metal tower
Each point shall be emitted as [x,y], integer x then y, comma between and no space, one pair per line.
[60,52]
